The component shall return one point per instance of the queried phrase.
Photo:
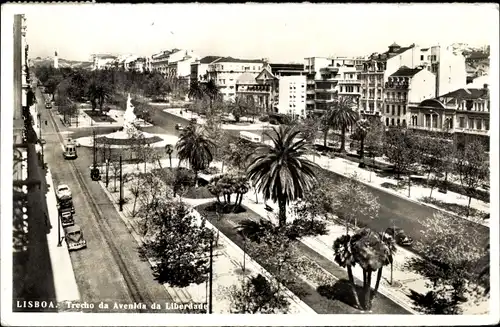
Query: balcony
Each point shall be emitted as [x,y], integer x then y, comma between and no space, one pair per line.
[395,100]
[350,81]
[310,91]
[471,131]
[310,82]
[325,90]
[329,69]
[310,101]
[370,112]
[323,100]
[393,85]
[255,89]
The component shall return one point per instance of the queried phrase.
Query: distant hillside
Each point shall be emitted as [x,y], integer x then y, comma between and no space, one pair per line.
[63,63]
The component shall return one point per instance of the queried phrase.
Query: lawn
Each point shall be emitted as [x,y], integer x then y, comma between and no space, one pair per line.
[334,300]
[98,117]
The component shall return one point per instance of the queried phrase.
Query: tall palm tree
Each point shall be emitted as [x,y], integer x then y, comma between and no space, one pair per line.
[362,128]
[196,90]
[281,171]
[212,91]
[194,147]
[341,116]
[169,149]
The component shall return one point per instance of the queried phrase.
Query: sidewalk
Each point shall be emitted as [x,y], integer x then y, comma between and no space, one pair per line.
[187,115]
[62,268]
[227,262]
[406,280]
[346,167]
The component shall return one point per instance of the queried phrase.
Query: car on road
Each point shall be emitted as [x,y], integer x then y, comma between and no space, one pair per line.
[63,191]
[74,238]
[48,105]
[69,140]
[399,236]
[179,127]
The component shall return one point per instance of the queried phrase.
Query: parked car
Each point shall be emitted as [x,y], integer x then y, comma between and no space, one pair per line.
[63,191]
[74,238]
[399,236]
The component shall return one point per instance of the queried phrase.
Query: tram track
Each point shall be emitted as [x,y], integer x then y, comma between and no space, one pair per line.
[105,231]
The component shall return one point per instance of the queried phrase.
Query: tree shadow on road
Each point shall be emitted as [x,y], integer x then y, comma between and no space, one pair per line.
[341,291]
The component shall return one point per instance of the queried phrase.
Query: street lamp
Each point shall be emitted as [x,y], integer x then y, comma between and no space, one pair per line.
[59,238]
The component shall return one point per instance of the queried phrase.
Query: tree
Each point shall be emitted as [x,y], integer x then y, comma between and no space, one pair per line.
[157,86]
[317,203]
[281,172]
[342,116]
[309,130]
[449,261]
[403,151]
[176,242]
[433,159]
[472,166]
[169,149]
[99,90]
[211,90]
[257,295]
[52,84]
[226,185]
[351,199]
[196,90]
[360,133]
[370,252]
[135,189]
[66,107]
[374,138]
[193,146]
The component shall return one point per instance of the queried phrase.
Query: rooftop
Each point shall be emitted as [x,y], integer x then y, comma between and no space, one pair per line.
[231,59]
[466,93]
[477,55]
[407,72]
[209,59]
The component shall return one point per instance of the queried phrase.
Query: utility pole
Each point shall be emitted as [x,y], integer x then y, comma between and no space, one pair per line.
[93,148]
[210,277]
[107,174]
[121,186]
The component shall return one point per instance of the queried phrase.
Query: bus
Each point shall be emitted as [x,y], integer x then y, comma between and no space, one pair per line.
[70,151]
[252,137]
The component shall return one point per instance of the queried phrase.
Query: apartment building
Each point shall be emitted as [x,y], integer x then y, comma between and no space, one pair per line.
[32,276]
[102,61]
[372,78]
[404,87]
[199,68]
[465,112]
[292,95]
[348,81]
[321,84]
[226,71]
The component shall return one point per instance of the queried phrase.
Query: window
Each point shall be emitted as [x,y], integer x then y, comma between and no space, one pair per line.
[387,122]
[471,123]
[398,122]
[421,57]
[487,125]
[469,104]
[399,110]
[461,122]
[393,110]
[387,109]
[404,122]
[392,121]
[435,121]
[479,124]
[404,110]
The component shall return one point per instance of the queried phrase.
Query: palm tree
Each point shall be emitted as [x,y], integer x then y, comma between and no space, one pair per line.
[341,115]
[281,171]
[372,251]
[196,91]
[212,91]
[194,147]
[362,128]
[169,149]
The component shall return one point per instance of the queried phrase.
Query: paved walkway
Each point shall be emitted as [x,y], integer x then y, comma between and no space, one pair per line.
[62,268]
[228,258]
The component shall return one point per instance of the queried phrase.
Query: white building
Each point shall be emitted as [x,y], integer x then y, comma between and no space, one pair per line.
[174,63]
[292,95]
[406,86]
[348,82]
[100,61]
[199,68]
[321,82]
[447,65]
[226,71]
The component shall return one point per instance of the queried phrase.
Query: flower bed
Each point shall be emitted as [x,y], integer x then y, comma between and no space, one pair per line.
[98,117]
[113,141]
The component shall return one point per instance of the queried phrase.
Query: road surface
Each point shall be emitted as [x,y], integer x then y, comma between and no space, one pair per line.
[110,269]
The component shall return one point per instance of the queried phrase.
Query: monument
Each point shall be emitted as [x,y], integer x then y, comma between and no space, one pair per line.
[129,119]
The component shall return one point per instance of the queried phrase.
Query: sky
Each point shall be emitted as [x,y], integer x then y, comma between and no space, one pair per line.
[280,32]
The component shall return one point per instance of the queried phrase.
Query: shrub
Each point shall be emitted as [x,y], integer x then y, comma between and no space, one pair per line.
[264,119]
[210,171]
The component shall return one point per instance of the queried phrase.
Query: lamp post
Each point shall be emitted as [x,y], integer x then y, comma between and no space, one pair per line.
[121,186]
[210,286]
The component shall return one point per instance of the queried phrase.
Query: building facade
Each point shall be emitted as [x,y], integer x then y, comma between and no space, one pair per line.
[404,87]
[199,68]
[349,82]
[321,84]
[102,61]
[465,112]
[226,71]
[292,96]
